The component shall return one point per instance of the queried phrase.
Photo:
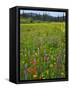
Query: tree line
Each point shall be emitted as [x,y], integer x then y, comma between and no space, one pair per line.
[34,17]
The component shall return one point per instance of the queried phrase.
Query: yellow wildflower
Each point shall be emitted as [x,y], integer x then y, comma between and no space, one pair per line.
[51,65]
[62,73]
[47,71]
[35,76]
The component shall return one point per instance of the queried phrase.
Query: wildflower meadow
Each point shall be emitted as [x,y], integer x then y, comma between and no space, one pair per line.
[42,49]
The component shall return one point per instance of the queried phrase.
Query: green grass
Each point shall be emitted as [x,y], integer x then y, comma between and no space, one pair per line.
[42,50]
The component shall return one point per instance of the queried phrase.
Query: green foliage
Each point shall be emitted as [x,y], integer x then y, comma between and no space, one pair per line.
[26,20]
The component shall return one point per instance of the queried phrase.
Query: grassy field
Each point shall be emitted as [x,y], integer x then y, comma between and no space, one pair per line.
[42,50]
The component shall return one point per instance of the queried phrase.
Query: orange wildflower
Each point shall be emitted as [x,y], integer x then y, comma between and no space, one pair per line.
[32,70]
[34,62]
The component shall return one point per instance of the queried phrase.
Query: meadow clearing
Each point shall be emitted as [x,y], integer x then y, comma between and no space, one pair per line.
[42,50]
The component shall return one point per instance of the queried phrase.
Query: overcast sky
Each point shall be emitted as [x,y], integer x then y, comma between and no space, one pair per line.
[52,13]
